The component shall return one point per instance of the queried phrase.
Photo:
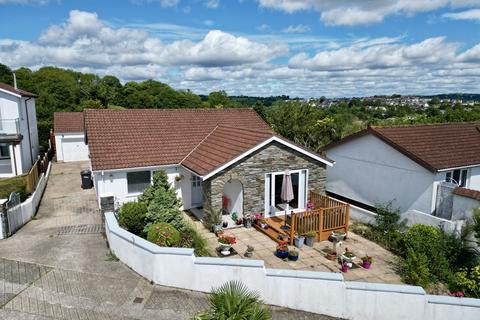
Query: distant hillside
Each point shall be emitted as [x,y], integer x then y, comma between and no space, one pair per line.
[457,96]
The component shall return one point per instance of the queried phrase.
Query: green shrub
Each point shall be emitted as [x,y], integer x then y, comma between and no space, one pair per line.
[163,234]
[15,184]
[415,269]
[212,217]
[467,281]
[132,217]
[388,218]
[162,203]
[428,241]
[234,301]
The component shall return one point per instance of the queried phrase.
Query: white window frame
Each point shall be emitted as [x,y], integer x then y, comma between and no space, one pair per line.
[467,176]
[269,197]
[137,193]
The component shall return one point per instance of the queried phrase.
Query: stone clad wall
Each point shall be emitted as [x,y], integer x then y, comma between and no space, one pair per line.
[251,173]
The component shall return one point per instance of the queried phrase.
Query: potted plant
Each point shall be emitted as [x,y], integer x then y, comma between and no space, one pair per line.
[226,244]
[344,267]
[239,222]
[331,255]
[225,224]
[348,257]
[293,255]
[234,216]
[249,252]
[299,241]
[367,261]
[263,223]
[178,177]
[310,205]
[258,216]
[310,238]
[282,250]
[247,220]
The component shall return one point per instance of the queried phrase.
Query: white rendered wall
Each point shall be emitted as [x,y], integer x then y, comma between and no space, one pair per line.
[80,154]
[370,171]
[474,181]
[233,190]
[115,182]
[318,292]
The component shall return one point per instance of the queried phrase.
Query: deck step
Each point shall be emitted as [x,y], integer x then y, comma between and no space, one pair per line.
[272,233]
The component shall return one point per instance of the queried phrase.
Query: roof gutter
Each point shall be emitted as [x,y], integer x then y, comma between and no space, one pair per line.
[461,167]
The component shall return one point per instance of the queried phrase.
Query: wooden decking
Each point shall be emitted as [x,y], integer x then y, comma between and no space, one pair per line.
[327,215]
[274,231]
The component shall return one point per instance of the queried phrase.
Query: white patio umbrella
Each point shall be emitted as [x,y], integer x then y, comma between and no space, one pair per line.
[287,193]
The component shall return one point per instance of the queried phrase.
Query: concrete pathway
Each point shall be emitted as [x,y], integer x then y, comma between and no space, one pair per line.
[58,266]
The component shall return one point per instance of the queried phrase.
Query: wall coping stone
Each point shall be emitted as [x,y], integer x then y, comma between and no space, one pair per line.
[301,274]
[229,262]
[384,287]
[454,301]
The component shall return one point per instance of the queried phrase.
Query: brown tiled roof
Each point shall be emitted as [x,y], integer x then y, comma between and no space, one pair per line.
[469,193]
[222,145]
[151,137]
[435,146]
[68,122]
[20,92]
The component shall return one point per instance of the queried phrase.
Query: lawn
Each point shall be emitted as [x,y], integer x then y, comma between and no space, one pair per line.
[15,184]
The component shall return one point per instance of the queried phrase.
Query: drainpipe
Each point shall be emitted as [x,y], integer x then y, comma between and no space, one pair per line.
[29,134]
[14,160]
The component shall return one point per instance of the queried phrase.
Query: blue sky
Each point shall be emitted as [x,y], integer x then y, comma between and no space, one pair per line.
[306,48]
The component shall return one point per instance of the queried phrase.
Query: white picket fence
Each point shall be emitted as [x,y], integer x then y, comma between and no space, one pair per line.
[19,213]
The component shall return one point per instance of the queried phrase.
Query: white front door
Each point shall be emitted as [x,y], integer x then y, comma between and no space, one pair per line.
[273,188]
[197,196]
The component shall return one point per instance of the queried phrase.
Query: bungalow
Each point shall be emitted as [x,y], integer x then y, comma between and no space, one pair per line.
[18,131]
[226,158]
[409,165]
[69,136]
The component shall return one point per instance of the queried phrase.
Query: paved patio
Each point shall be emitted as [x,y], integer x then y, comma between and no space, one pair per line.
[312,259]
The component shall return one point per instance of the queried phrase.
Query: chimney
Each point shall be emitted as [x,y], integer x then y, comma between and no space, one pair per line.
[14,81]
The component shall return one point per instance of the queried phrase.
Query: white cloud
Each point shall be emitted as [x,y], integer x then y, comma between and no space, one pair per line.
[378,56]
[300,28]
[213,4]
[205,60]
[354,12]
[473,14]
[84,40]
[264,28]
[163,3]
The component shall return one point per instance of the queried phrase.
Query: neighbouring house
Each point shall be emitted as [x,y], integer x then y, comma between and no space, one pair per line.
[224,158]
[18,131]
[417,167]
[70,136]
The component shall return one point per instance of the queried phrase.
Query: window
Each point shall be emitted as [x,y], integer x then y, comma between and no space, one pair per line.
[273,188]
[458,176]
[196,181]
[138,181]
[4,151]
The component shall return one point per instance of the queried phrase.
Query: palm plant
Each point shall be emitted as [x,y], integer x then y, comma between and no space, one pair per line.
[233,301]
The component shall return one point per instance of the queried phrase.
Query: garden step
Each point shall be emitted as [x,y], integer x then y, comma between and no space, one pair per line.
[272,233]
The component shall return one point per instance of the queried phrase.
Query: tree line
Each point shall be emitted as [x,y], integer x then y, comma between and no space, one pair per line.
[67,90]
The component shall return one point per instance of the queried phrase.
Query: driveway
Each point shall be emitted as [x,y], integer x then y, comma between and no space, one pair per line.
[58,266]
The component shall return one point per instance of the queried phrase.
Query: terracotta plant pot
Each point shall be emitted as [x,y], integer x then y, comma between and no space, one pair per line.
[332,256]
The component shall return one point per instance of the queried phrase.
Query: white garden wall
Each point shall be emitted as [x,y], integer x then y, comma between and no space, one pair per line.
[318,292]
[29,207]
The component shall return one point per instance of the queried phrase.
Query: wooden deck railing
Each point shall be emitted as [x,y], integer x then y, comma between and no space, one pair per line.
[327,215]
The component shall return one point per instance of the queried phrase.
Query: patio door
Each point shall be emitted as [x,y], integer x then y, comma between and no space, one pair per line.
[197,196]
[273,188]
